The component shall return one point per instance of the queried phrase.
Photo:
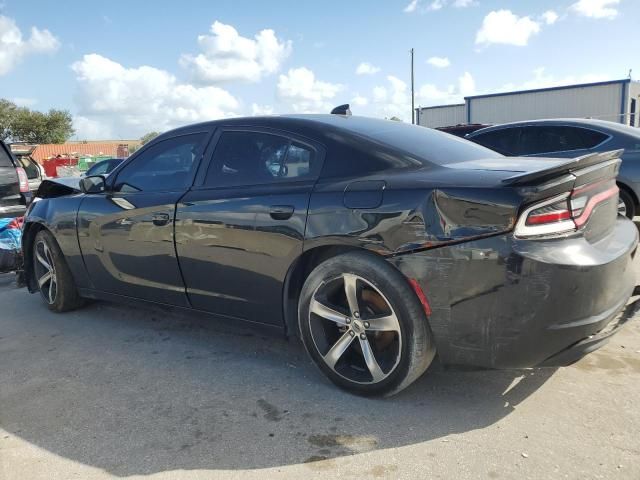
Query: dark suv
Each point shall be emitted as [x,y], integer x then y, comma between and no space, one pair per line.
[15,194]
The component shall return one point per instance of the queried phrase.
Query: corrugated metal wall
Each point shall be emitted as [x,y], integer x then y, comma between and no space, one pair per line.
[602,101]
[633,118]
[442,116]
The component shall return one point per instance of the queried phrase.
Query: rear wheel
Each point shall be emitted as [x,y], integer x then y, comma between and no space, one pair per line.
[52,274]
[363,325]
[626,205]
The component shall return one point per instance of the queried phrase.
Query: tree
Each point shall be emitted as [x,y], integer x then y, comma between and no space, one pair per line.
[21,124]
[147,137]
[55,126]
[395,119]
[7,112]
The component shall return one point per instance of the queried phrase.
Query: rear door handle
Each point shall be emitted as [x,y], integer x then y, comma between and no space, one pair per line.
[160,219]
[281,212]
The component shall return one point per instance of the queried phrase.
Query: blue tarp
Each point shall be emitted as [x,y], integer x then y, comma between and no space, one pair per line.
[10,243]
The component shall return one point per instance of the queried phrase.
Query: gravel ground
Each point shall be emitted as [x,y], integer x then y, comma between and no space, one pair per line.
[115,391]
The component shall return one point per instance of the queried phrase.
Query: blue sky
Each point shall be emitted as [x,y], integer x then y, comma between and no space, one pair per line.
[125,68]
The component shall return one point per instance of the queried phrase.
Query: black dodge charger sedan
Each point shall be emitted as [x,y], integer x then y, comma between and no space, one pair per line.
[379,244]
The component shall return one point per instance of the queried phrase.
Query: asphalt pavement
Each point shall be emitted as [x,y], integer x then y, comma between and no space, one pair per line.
[117,391]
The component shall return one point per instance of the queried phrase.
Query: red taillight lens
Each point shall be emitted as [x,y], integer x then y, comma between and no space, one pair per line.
[23,180]
[585,199]
[565,213]
[555,212]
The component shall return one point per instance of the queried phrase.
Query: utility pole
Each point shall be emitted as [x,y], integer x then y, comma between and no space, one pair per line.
[413,110]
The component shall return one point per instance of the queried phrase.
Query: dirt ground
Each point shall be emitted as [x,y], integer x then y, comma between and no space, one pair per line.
[114,391]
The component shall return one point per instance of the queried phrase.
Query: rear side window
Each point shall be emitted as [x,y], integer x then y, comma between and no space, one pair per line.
[29,167]
[257,158]
[549,139]
[167,165]
[5,160]
[593,138]
[504,141]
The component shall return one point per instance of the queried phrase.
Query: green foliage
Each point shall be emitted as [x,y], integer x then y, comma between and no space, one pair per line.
[147,137]
[7,112]
[21,124]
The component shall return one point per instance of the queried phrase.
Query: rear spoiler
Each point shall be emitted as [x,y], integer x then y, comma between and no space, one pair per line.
[567,167]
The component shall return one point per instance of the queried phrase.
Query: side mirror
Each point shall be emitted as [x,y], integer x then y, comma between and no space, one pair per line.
[93,184]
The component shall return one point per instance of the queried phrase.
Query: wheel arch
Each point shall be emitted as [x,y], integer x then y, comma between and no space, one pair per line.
[29,233]
[629,190]
[298,273]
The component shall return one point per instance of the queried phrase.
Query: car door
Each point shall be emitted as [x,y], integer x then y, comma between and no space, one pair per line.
[241,227]
[127,233]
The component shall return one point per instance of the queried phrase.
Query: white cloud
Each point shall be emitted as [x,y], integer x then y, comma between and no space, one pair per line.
[550,17]
[504,27]
[439,62]
[542,79]
[366,68]
[300,89]
[13,47]
[463,3]
[261,109]
[429,94]
[116,101]
[227,56]
[435,5]
[596,8]
[393,100]
[466,84]
[24,101]
[411,7]
[360,101]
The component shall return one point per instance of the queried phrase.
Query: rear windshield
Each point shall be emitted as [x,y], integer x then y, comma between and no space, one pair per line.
[425,143]
[5,160]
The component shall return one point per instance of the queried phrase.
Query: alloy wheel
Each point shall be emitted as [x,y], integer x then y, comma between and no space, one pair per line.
[46,272]
[622,208]
[355,330]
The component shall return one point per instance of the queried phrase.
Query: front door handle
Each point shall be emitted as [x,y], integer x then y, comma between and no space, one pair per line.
[281,212]
[160,219]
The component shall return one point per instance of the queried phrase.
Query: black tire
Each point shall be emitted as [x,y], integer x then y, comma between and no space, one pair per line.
[410,345]
[629,204]
[63,295]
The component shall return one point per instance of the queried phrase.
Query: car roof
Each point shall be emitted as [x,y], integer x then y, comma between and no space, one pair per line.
[602,125]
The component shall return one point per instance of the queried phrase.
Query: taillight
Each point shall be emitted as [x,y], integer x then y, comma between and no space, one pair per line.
[23,180]
[564,213]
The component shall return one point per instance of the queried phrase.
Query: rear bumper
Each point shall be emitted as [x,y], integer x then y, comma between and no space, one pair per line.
[501,302]
[578,350]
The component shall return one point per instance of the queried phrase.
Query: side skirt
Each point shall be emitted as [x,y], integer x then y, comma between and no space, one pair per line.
[240,322]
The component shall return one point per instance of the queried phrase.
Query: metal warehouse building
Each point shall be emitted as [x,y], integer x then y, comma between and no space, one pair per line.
[616,101]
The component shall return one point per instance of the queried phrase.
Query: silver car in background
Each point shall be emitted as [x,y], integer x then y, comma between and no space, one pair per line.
[572,138]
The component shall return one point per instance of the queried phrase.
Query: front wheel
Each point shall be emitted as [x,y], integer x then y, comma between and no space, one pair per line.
[52,274]
[363,325]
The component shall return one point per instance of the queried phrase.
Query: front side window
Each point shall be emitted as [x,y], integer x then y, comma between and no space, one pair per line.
[99,168]
[167,165]
[255,158]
